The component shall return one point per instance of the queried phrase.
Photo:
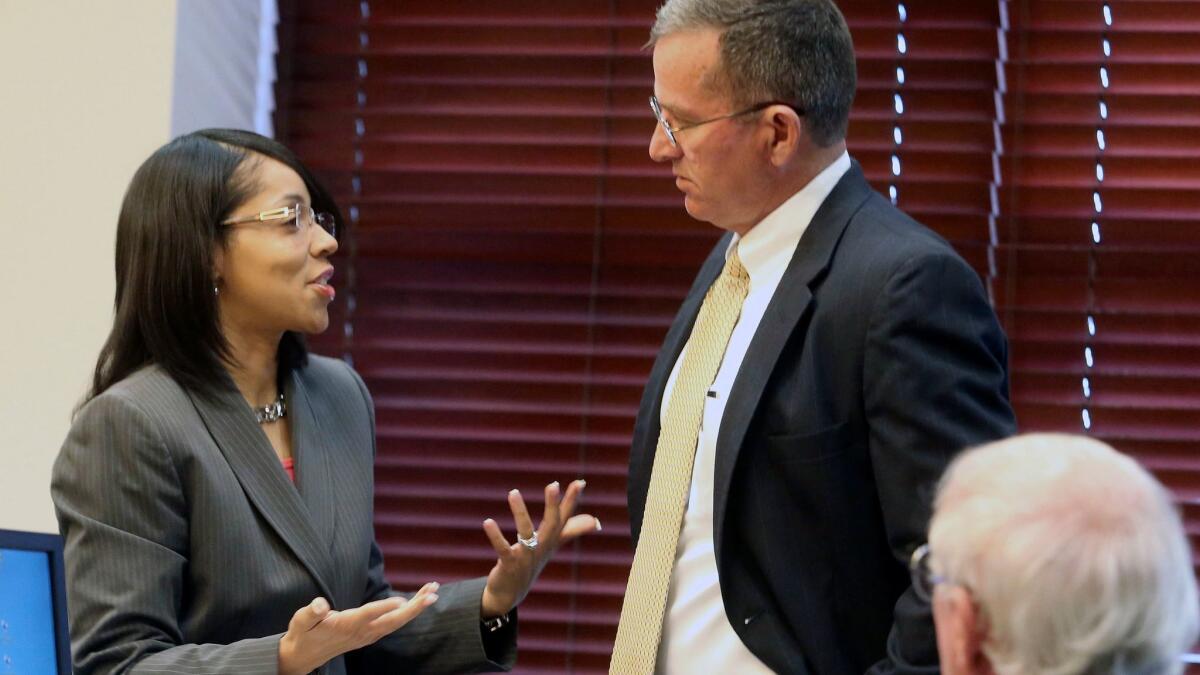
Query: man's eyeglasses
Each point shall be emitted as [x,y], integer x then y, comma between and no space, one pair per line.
[671,131]
[923,578]
[298,216]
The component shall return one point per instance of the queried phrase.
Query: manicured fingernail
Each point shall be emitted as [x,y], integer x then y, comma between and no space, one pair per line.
[320,605]
[432,586]
[555,485]
[514,491]
[598,527]
[430,599]
[582,483]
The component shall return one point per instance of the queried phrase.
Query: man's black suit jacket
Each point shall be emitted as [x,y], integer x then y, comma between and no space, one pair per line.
[878,358]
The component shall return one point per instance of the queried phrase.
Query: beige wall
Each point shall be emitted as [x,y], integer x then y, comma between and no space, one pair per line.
[86,97]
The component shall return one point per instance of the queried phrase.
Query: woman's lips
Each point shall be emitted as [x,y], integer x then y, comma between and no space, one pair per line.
[321,284]
[324,277]
[324,289]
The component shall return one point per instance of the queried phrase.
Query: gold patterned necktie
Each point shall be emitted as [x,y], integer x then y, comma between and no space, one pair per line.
[640,630]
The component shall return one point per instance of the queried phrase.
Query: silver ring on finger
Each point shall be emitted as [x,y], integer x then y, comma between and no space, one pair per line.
[530,543]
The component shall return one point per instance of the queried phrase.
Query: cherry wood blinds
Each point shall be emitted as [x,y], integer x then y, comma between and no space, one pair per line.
[924,121]
[514,257]
[1099,279]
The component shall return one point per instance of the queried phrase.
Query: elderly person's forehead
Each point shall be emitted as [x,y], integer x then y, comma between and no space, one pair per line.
[1047,468]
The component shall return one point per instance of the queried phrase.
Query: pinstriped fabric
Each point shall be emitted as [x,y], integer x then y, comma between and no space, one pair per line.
[253,460]
[188,549]
[640,628]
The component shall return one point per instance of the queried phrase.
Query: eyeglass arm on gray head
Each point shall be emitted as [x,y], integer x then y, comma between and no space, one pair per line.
[656,108]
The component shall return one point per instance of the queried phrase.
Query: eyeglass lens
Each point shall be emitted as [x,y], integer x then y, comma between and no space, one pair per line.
[922,575]
[306,215]
[662,121]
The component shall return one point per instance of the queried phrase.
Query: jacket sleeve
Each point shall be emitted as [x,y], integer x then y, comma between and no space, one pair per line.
[935,382]
[444,638]
[123,516]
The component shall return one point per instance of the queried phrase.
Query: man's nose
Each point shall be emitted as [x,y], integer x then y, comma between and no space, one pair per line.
[661,149]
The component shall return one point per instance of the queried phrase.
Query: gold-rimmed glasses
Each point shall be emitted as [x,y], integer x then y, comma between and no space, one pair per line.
[299,216]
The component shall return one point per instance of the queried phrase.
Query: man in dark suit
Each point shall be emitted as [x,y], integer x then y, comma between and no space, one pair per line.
[829,360]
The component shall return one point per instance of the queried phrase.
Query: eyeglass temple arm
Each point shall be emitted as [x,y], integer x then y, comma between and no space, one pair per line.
[274,214]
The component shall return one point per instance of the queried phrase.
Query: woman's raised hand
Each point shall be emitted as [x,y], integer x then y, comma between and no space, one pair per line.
[519,564]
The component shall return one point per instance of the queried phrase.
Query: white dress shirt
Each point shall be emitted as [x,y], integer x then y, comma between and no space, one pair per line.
[697,636]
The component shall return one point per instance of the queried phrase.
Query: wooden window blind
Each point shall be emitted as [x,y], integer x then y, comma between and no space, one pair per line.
[1099,279]
[514,257]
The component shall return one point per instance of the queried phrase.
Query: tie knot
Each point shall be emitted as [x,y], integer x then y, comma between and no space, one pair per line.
[734,267]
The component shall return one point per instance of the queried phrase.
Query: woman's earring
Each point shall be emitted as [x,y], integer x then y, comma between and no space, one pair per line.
[216,290]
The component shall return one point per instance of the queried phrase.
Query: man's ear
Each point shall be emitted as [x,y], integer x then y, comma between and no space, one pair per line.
[787,133]
[962,630]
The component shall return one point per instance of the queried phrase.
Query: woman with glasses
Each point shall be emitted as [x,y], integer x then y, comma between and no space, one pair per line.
[215,490]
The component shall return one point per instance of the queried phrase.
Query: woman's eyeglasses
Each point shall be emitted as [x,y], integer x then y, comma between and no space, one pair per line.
[299,216]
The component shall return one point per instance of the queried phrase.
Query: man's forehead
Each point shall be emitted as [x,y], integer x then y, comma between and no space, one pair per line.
[685,64]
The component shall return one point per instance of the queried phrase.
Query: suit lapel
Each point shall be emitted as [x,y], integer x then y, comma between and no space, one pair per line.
[250,455]
[310,446]
[788,305]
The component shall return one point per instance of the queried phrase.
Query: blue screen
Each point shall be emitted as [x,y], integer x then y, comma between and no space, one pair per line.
[27,644]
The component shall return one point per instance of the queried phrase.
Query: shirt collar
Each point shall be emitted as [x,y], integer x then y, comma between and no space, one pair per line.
[768,247]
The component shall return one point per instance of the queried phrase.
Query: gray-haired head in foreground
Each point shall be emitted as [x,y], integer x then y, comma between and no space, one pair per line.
[798,51]
[1074,553]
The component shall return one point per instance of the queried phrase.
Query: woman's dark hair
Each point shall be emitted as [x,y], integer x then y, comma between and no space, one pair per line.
[169,227]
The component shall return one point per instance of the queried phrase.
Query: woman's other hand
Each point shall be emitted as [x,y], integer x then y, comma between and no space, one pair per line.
[519,564]
[317,633]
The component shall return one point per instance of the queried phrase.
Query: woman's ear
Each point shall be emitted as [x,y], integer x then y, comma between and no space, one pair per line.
[218,267]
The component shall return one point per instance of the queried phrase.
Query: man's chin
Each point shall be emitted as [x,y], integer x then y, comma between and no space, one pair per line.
[696,209]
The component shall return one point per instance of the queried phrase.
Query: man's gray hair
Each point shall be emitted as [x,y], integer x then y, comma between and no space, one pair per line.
[795,51]
[1074,553]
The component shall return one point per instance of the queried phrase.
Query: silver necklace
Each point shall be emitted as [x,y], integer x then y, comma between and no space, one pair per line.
[271,413]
